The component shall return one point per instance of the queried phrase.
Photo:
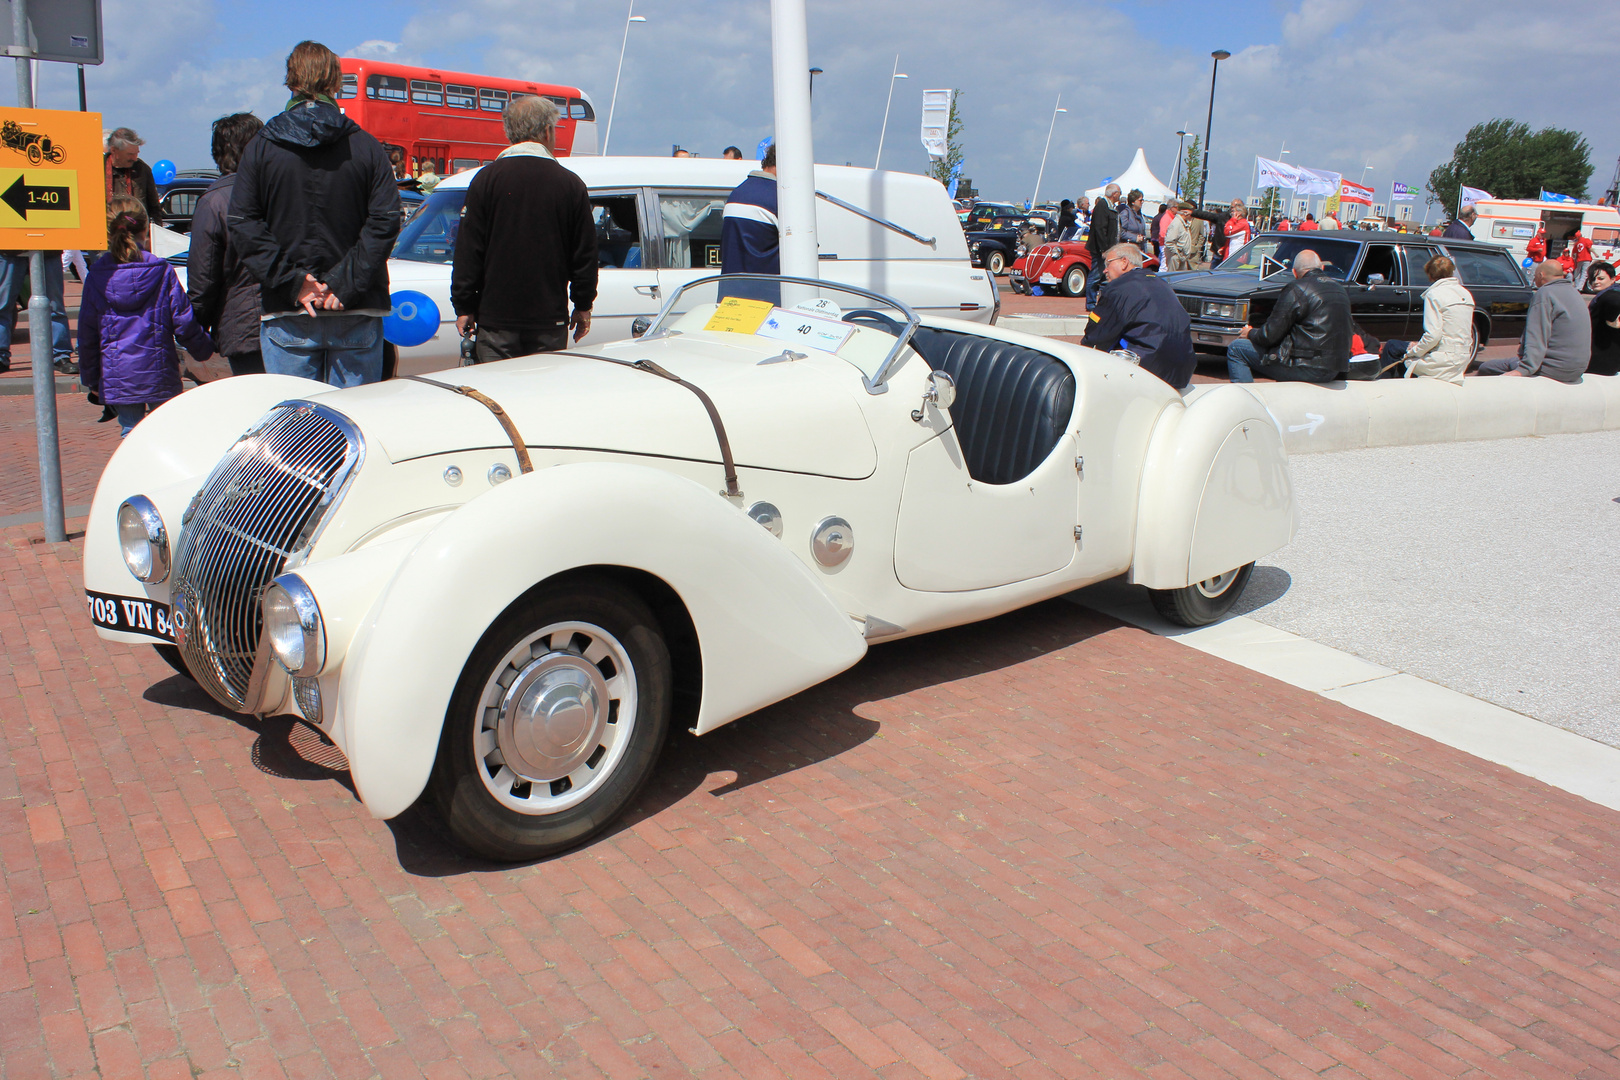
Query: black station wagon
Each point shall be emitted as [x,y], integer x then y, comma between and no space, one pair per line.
[1382,271]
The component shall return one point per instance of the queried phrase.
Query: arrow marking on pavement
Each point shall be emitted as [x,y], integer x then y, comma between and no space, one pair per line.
[23,197]
[1315,422]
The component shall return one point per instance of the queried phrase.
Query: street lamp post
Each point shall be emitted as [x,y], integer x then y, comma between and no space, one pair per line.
[1181,152]
[629,17]
[1209,123]
[1050,127]
[817,71]
[892,77]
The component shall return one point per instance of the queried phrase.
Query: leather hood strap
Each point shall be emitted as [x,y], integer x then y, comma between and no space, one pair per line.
[512,433]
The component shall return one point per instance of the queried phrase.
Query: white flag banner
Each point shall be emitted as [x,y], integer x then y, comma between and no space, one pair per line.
[1352,192]
[1277,174]
[1318,182]
[936,122]
[1474,194]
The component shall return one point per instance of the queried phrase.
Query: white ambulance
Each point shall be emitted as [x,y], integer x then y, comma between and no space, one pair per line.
[1513,223]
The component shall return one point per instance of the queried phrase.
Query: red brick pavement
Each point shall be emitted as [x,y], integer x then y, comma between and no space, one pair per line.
[85,448]
[1045,846]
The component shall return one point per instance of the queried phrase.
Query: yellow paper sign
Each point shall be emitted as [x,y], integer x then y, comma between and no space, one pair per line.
[738,316]
[53,191]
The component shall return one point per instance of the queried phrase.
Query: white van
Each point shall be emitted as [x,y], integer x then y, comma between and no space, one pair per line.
[1513,223]
[893,233]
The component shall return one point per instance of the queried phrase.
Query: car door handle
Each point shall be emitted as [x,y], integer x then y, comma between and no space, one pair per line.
[647,290]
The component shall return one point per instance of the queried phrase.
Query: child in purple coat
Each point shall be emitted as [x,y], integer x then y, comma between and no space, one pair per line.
[132,310]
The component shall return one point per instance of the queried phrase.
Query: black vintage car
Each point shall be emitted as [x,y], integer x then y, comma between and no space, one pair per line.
[1382,271]
[1002,242]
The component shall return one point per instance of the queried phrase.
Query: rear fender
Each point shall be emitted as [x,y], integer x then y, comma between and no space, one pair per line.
[766,628]
[1216,491]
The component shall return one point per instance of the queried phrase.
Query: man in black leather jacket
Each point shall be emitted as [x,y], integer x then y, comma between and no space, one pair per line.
[1307,337]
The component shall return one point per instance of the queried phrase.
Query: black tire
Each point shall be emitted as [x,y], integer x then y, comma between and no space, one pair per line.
[171,656]
[1202,602]
[490,808]
[995,261]
[35,154]
[1074,281]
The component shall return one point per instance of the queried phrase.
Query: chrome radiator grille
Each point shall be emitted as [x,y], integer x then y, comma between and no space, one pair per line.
[262,507]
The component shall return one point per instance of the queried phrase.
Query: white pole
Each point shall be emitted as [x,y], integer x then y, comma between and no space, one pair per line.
[629,17]
[1050,128]
[795,152]
[893,75]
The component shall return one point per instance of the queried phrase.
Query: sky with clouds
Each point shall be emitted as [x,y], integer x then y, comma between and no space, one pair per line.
[1343,83]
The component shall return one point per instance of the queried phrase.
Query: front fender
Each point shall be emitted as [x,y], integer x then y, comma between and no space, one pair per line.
[1216,491]
[766,628]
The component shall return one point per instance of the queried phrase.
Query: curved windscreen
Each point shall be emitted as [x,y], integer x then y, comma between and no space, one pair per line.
[1338,256]
[430,235]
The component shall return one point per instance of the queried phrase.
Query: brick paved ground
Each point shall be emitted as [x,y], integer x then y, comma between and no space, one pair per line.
[1046,846]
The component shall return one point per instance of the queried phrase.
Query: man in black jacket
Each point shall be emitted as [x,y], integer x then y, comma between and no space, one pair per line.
[1141,313]
[128,175]
[223,293]
[1104,235]
[313,216]
[527,244]
[1307,337]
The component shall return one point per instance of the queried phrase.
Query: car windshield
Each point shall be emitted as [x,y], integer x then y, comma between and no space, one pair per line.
[863,328]
[430,234]
[1338,256]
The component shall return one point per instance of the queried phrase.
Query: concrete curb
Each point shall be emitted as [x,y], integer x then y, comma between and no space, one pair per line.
[1320,417]
[65,384]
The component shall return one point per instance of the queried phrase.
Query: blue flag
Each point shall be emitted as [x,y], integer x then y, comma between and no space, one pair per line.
[956,178]
[764,145]
[1553,196]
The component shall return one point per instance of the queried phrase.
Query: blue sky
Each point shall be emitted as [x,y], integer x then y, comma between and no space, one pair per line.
[1343,82]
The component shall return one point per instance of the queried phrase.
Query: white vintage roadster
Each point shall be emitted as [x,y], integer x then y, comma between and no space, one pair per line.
[502,584]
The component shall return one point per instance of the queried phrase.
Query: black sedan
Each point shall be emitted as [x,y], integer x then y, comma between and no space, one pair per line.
[1382,271]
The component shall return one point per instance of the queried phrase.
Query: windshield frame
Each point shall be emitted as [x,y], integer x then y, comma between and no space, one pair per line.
[876,383]
[1304,240]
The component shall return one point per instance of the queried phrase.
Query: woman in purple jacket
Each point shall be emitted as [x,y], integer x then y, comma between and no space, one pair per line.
[132,310]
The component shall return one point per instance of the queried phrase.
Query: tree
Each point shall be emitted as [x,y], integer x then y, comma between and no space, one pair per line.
[941,169]
[1505,158]
[1192,188]
[1271,204]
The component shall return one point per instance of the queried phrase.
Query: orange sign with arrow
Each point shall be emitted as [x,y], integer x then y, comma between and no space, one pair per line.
[53,189]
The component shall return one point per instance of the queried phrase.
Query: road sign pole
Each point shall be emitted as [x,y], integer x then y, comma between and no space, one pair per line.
[39,330]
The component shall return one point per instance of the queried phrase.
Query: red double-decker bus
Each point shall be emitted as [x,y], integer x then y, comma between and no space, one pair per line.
[450,118]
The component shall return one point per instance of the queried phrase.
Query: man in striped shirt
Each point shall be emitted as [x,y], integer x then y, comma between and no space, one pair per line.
[749,241]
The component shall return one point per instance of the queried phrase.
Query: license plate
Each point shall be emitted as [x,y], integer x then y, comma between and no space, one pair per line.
[1202,336]
[131,615]
[1048,279]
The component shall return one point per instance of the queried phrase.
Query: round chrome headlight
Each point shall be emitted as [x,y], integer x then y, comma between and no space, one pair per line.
[143,540]
[292,623]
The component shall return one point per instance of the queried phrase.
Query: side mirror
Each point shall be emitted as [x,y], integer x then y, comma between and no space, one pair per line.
[1377,279]
[640,326]
[941,393]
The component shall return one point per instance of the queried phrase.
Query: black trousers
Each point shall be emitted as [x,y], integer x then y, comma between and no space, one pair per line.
[495,344]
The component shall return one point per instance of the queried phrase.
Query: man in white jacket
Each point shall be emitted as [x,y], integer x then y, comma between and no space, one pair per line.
[1447,343]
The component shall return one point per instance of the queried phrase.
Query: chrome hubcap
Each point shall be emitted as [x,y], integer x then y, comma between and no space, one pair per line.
[555,717]
[1215,586]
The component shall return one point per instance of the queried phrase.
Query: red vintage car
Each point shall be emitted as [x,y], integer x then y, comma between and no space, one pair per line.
[1062,265]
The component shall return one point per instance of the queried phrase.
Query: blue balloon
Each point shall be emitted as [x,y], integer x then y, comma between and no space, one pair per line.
[163,171]
[414,319]
[1528,262]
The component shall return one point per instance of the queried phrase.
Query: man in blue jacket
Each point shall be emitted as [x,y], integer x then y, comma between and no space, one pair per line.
[1141,313]
[749,240]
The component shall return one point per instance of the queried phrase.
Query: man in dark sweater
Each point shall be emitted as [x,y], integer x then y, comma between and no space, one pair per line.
[1104,234]
[527,244]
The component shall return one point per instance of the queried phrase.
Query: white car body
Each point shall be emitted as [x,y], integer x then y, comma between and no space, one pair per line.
[680,200]
[410,571]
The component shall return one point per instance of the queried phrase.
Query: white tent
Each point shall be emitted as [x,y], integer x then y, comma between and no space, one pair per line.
[1154,191]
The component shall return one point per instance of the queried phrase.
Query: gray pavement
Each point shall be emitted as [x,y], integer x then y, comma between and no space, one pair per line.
[1492,568]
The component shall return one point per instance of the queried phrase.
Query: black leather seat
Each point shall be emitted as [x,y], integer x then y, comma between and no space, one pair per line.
[1012,404]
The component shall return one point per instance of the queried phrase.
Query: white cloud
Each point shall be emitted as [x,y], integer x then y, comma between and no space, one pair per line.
[378,49]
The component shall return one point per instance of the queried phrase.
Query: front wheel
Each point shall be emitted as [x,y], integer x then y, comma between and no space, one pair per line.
[1202,602]
[556,722]
[995,262]
[1074,282]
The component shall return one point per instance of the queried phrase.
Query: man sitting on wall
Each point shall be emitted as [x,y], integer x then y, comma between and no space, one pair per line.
[1557,341]
[1307,337]
[1141,313]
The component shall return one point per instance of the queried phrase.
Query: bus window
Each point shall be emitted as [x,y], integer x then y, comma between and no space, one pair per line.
[426,93]
[580,109]
[385,87]
[492,100]
[462,164]
[461,97]
[561,103]
[350,87]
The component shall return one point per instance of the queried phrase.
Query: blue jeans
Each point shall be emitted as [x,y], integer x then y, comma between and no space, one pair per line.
[13,269]
[132,414]
[343,350]
[1243,361]
[1094,284]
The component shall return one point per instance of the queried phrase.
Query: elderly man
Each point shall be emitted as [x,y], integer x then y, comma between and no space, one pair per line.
[1461,227]
[1104,235]
[1141,313]
[128,175]
[527,244]
[1307,337]
[1557,339]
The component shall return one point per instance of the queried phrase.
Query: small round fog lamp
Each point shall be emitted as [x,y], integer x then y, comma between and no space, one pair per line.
[143,540]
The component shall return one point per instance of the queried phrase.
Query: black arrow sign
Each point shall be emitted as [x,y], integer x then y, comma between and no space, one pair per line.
[23,197]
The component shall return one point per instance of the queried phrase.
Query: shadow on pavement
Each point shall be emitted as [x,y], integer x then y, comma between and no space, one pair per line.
[816,725]
[1266,584]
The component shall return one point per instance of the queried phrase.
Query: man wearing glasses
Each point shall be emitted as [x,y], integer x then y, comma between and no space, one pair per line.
[1140,313]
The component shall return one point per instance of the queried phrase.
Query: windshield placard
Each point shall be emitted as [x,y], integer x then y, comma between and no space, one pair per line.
[825,334]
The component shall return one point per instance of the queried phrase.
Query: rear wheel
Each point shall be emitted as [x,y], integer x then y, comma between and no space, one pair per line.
[1074,281]
[995,262]
[1202,602]
[556,722]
